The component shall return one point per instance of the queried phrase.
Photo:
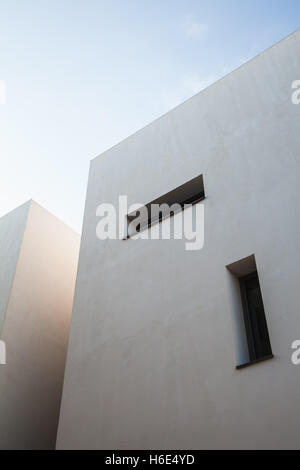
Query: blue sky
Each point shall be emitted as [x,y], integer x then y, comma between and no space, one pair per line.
[81,75]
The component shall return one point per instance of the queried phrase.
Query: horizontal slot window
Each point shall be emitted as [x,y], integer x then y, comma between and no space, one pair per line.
[167,205]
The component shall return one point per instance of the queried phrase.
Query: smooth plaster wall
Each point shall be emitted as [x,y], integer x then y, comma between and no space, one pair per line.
[153,346]
[12,226]
[36,332]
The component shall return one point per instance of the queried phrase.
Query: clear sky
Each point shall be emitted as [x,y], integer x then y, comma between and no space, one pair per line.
[81,75]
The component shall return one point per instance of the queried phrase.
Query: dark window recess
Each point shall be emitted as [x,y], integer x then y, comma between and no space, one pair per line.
[188,193]
[254,317]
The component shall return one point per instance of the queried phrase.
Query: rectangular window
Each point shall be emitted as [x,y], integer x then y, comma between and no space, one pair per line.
[250,324]
[168,204]
[254,317]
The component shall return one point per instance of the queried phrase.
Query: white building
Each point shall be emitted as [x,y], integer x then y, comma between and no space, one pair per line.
[38,262]
[157,330]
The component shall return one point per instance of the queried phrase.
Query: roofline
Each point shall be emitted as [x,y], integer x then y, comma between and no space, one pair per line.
[199,92]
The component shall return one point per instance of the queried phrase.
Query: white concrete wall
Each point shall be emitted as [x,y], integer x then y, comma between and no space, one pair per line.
[36,331]
[153,346]
[12,227]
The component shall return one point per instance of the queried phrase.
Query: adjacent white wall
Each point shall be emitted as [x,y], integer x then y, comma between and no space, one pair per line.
[152,354]
[36,330]
[12,227]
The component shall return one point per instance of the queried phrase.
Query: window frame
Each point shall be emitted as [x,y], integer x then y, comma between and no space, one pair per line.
[253,358]
[187,194]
